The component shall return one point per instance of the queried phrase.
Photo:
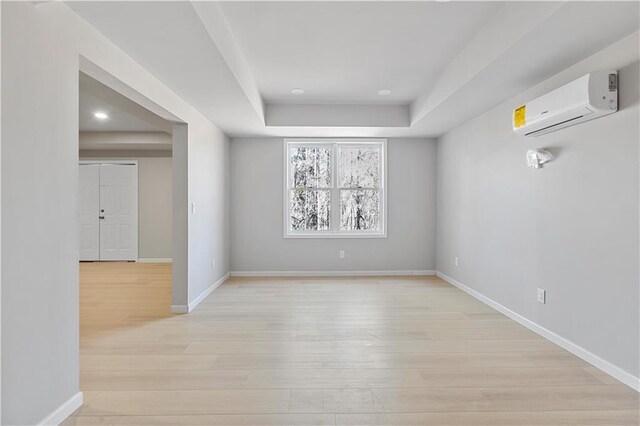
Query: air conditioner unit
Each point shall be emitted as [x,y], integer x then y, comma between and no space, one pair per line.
[591,96]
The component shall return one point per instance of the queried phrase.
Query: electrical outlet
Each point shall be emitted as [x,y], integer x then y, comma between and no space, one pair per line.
[213,264]
[342,254]
[193,207]
[457,261]
[542,296]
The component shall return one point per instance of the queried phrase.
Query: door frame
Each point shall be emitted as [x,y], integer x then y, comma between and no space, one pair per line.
[124,162]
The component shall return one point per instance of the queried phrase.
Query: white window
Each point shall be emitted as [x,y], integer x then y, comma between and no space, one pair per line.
[335,188]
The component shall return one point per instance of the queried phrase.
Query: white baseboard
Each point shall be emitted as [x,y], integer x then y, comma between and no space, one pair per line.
[195,302]
[63,411]
[185,309]
[330,273]
[155,260]
[607,367]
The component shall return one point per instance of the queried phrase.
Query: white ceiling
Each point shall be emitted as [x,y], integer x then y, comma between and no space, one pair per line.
[444,62]
[124,114]
[346,52]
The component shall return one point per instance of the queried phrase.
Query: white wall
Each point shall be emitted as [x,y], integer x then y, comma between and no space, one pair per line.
[257,192]
[571,227]
[154,196]
[42,49]
[39,215]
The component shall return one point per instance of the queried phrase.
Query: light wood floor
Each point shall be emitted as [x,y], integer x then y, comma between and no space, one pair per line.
[361,351]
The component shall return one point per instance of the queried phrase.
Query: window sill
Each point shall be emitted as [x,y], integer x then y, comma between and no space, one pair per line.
[335,236]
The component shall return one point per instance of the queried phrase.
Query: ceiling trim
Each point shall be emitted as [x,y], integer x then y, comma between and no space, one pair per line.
[214,21]
[512,22]
[155,141]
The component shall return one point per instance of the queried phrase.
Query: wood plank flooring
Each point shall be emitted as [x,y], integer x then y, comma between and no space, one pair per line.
[339,351]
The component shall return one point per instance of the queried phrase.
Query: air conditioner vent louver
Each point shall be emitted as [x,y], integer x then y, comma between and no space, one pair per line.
[552,126]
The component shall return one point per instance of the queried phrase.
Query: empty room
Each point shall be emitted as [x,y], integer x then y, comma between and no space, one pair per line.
[319,213]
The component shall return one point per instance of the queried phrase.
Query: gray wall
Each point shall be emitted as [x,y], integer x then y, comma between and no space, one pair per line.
[154,192]
[571,227]
[257,242]
[208,177]
[39,215]
[154,198]
[40,70]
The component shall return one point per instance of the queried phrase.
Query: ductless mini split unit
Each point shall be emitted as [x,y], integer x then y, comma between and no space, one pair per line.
[591,96]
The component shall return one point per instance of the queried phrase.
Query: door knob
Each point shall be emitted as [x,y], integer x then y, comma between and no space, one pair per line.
[100,217]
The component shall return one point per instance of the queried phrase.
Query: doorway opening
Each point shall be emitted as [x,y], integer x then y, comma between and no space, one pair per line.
[125,217]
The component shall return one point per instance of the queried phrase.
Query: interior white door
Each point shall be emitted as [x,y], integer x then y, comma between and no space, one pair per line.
[89,203]
[118,212]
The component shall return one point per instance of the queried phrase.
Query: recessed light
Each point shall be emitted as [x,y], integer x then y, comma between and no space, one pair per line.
[384,92]
[297,91]
[100,115]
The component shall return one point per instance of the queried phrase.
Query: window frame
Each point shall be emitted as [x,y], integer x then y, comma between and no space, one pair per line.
[334,189]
